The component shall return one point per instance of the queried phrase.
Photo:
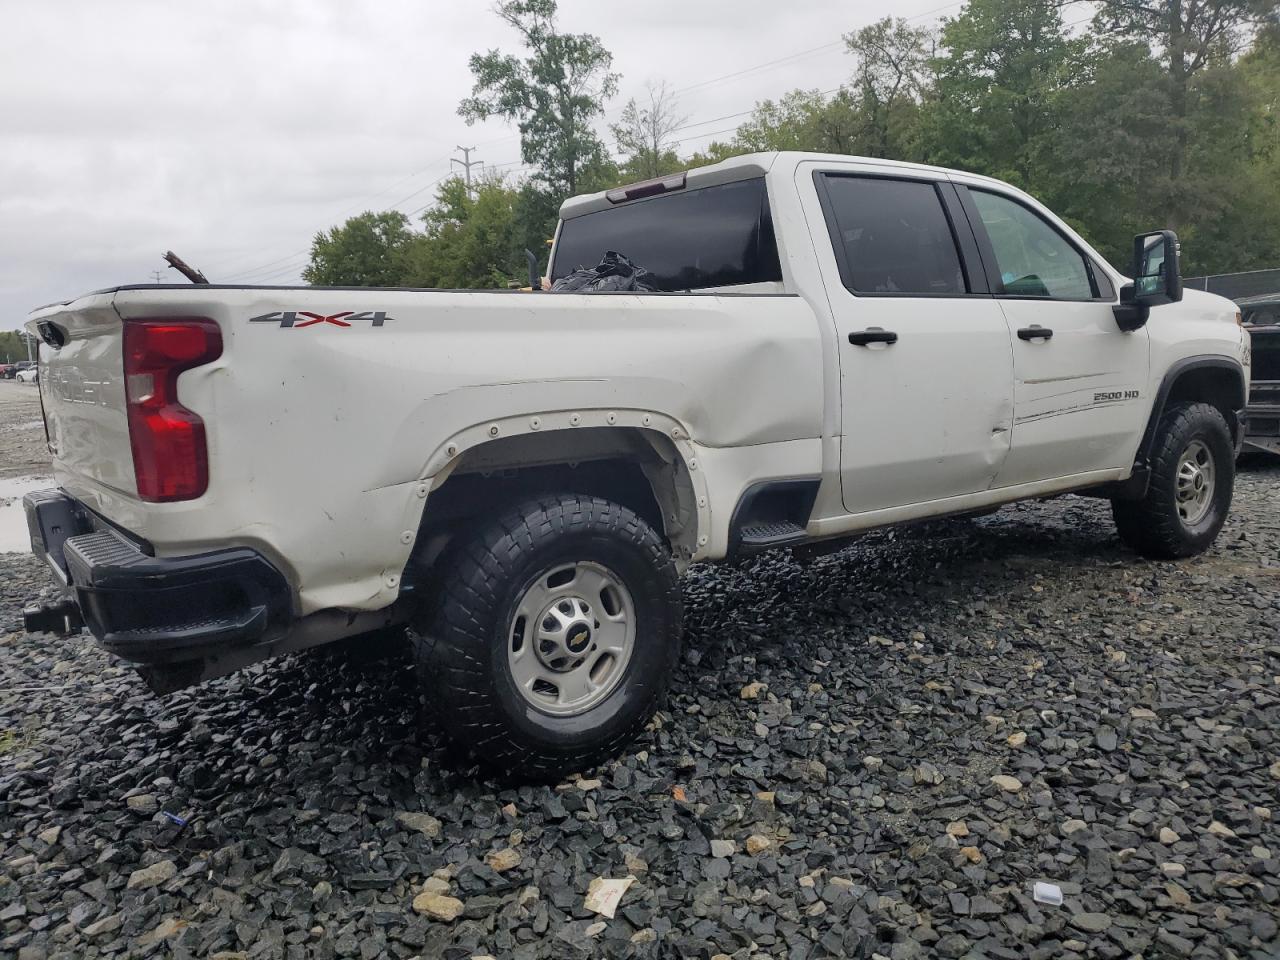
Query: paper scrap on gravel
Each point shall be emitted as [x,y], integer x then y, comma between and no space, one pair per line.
[604,895]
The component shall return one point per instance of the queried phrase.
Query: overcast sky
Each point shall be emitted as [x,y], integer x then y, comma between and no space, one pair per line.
[232,130]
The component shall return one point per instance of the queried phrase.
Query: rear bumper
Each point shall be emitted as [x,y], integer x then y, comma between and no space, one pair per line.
[148,609]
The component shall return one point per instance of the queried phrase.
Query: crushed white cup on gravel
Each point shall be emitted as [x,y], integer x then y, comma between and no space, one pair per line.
[1049,893]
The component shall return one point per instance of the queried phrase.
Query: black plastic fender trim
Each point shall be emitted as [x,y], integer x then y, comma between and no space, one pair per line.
[1166,386]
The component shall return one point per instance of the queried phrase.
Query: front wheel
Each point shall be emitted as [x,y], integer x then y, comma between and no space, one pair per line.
[554,635]
[1189,494]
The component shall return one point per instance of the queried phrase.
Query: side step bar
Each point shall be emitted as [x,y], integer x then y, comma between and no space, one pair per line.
[764,536]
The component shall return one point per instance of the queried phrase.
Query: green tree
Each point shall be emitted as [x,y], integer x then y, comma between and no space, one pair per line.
[537,213]
[366,251]
[992,103]
[1230,189]
[890,80]
[552,94]
[1103,167]
[471,240]
[1191,36]
[799,120]
[1109,168]
[12,347]
[644,134]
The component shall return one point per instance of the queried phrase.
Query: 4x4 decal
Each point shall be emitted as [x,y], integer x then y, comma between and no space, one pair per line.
[345,318]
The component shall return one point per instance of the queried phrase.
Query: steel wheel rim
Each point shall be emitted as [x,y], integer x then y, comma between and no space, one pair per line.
[571,637]
[1195,481]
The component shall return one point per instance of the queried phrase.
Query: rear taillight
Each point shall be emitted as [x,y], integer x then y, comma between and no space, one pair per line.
[170,458]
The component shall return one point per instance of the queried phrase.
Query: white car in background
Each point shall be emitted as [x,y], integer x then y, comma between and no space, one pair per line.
[28,375]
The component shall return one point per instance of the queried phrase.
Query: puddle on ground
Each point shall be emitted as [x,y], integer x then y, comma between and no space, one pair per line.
[13,521]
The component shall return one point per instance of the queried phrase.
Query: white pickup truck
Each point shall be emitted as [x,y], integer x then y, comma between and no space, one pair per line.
[835,344]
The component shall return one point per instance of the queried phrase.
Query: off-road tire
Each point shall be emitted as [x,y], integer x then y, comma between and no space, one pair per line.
[460,641]
[1152,526]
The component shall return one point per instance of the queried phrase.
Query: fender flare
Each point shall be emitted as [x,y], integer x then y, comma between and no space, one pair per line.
[663,432]
[1175,371]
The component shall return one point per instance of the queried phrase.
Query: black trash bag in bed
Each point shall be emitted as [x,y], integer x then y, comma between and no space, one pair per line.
[614,272]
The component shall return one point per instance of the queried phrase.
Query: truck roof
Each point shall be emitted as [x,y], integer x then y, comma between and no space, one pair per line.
[744,167]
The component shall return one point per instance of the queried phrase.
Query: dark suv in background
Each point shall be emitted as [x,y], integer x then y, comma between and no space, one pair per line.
[1261,317]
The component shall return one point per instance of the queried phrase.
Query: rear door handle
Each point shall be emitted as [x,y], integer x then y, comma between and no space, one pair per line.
[872,335]
[1035,333]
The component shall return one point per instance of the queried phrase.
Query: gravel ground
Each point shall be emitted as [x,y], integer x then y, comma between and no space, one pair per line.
[876,753]
[22,444]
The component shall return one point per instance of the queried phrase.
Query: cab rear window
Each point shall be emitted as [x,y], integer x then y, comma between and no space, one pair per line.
[717,236]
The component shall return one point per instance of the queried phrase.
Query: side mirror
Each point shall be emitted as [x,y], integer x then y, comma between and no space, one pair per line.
[1156,279]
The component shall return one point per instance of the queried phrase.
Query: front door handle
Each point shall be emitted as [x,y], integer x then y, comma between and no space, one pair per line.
[1035,333]
[872,335]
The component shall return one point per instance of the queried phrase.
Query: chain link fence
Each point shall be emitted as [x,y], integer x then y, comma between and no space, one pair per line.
[1239,286]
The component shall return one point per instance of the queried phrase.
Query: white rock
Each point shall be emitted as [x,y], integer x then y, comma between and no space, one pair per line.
[143,803]
[106,925]
[723,848]
[438,907]
[424,823]
[501,861]
[152,876]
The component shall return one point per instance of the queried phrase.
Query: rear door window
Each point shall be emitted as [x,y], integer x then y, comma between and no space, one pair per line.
[712,237]
[892,237]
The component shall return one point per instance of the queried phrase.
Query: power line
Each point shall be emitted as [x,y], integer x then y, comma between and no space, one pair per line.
[293,262]
[236,260]
[802,54]
[467,163]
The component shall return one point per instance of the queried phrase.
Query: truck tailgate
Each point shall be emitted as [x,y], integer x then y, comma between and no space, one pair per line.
[82,389]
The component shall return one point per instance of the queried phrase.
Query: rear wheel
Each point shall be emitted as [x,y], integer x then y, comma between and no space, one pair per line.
[553,638]
[1189,496]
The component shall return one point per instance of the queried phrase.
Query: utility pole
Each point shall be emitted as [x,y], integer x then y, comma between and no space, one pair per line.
[467,164]
[155,276]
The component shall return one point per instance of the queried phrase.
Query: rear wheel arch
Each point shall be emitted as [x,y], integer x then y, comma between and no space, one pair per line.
[641,460]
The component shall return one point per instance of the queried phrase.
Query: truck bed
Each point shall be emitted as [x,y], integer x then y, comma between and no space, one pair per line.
[328,408]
